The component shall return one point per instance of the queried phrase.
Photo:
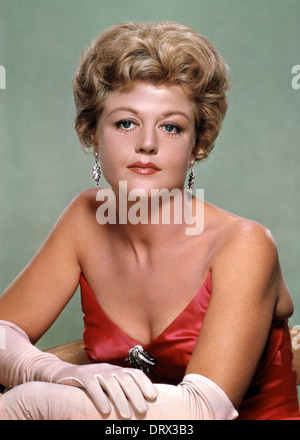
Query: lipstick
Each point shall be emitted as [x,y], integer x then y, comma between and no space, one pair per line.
[145,168]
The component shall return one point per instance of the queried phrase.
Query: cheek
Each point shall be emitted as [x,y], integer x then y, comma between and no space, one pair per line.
[106,155]
[112,157]
[181,158]
[110,145]
[178,168]
[107,148]
[108,161]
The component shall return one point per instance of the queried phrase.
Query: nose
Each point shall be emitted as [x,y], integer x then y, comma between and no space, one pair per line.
[147,142]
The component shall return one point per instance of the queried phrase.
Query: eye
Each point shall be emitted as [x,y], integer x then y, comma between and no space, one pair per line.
[172,129]
[125,125]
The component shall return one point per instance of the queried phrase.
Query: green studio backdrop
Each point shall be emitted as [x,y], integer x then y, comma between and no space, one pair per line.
[253,170]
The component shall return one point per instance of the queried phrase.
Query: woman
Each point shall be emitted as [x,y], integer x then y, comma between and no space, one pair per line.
[150,101]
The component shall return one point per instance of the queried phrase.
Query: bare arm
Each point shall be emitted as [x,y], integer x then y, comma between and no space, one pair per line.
[40,292]
[34,300]
[246,285]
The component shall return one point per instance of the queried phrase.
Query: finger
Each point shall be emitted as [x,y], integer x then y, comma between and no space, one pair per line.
[93,389]
[133,392]
[116,394]
[98,395]
[70,380]
[143,382]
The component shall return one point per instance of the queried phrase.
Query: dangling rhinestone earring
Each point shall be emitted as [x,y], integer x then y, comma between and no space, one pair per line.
[191,182]
[96,170]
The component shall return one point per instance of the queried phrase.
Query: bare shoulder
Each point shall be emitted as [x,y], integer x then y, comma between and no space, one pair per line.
[251,237]
[79,222]
[43,288]
[247,261]
[245,252]
[80,211]
[236,235]
[82,203]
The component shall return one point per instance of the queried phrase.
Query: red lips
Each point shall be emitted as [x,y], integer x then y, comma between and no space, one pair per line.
[144,167]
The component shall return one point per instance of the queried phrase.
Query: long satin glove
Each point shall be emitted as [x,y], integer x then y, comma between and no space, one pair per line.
[21,362]
[196,398]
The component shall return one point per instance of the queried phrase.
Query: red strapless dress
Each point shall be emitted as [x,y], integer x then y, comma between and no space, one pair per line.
[272,394]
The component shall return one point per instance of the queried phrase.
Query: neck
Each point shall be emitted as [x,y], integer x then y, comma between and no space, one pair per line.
[157,220]
[152,235]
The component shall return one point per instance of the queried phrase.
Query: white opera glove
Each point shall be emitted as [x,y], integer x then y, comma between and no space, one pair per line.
[123,386]
[206,400]
[21,362]
[195,398]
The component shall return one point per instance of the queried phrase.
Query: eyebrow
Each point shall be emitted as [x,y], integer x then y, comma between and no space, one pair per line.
[175,112]
[129,109]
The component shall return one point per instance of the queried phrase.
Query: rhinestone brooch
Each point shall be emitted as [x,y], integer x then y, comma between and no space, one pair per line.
[140,358]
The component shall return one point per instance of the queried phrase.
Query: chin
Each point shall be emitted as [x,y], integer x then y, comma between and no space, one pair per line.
[146,186]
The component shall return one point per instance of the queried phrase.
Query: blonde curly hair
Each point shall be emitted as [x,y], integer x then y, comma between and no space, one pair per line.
[161,53]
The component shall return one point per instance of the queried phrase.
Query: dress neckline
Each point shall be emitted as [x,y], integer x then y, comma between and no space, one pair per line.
[112,324]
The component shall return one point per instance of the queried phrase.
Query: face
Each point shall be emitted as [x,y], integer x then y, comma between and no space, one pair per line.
[145,136]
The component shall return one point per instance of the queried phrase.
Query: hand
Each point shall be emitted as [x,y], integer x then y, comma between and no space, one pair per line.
[21,362]
[125,386]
